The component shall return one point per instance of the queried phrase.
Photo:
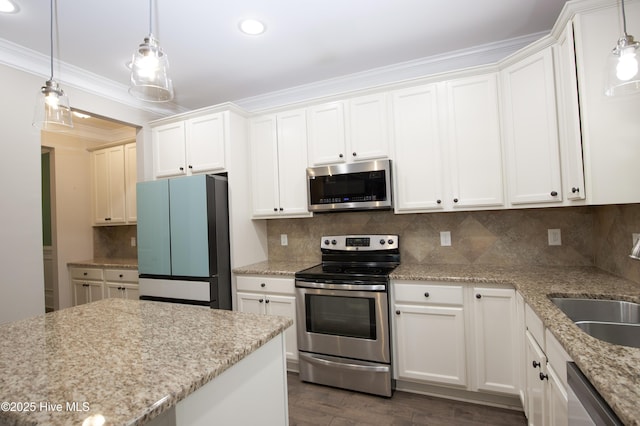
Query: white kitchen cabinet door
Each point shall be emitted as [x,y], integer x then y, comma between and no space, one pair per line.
[430,344]
[251,302]
[109,198]
[86,291]
[121,291]
[474,139]
[130,178]
[368,130]
[327,139]
[291,165]
[263,139]
[495,330]
[610,125]
[285,306]
[531,130]
[169,149]
[205,143]
[535,363]
[417,166]
[569,116]
[556,400]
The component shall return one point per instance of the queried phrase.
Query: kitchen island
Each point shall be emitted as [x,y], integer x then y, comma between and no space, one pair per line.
[120,361]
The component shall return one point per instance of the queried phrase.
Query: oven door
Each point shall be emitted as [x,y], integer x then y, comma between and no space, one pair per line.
[343,323]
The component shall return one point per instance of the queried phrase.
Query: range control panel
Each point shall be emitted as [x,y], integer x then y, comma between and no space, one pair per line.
[359,242]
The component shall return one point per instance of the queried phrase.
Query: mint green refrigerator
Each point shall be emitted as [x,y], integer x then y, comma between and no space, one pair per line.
[183,241]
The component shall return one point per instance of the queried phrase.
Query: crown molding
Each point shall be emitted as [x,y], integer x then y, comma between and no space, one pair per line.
[19,57]
[465,58]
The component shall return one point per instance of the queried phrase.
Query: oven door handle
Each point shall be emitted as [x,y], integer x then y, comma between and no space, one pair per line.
[319,359]
[333,285]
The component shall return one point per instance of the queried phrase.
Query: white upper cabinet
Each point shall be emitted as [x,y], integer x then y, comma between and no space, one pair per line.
[610,125]
[569,116]
[473,137]
[354,130]
[367,127]
[418,171]
[109,198]
[130,179]
[327,139]
[531,130]
[447,146]
[278,145]
[193,145]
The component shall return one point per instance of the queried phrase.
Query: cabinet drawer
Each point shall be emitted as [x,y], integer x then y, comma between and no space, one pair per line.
[534,325]
[121,275]
[557,356]
[265,284]
[86,273]
[428,293]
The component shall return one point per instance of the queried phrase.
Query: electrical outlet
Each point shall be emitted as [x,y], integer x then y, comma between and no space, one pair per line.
[284,240]
[133,241]
[445,238]
[555,237]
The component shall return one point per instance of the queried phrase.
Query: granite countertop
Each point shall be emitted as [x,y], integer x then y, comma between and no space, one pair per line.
[103,262]
[614,370]
[127,360]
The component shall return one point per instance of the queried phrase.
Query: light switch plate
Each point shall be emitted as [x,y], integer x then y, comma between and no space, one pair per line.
[284,240]
[555,237]
[445,238]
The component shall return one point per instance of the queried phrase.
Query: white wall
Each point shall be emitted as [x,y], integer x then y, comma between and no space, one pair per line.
[21,275]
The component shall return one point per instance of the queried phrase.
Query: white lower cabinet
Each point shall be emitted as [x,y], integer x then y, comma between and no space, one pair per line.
[546,375]
[122,284]
[91,284]
[270,296]
[495,328]
[429,332]
[445,335]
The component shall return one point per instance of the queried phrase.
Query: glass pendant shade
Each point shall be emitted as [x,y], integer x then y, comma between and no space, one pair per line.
[52,112]
[622,68]
[150,73]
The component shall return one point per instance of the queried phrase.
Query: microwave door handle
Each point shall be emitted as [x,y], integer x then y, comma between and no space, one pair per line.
[318,359]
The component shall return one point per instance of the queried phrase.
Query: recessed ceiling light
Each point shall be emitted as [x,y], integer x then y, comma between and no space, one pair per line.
[8,6]
[251,26]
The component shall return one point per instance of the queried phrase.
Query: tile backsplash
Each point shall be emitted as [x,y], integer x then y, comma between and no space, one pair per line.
[114,242]
[599,236]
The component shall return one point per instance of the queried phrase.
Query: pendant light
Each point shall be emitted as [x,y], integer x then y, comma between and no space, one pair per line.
[622,66]
[52,111]
[150,70]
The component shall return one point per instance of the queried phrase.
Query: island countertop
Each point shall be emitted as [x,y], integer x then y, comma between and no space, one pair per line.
[126,360]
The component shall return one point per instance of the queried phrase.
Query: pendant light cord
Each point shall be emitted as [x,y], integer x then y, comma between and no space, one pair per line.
[150,17]
[51,37]
[624,20]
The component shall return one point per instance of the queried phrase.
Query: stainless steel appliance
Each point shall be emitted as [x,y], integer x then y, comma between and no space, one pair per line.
[183,241]
[354,186]
[342,309]
[585,405]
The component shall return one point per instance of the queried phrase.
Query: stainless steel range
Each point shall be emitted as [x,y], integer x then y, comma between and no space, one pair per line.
[342,312]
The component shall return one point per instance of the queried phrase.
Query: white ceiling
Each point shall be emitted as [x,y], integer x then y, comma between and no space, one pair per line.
[306,40]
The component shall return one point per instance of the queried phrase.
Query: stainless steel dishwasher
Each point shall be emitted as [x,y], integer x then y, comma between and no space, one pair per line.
[586,406]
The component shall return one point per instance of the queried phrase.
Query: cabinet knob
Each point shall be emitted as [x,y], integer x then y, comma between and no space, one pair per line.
[574,189]
[398,312]
[544,376]
[478,296]
[281,209]
[85,273]
[439,201]
[455,200]
[266,301]
[340,155]
[260,300]
[263,285]
[275,209]
[426,294]
[354,154]
[190,167]
[121,275]
[554,193]
[107,218]
[182,169]
[536,364]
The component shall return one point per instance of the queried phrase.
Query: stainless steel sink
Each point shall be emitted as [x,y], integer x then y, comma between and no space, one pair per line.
[612,332]
[614,321]
[599,310]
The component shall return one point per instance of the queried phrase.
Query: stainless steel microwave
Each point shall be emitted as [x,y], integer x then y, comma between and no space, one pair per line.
[354,186]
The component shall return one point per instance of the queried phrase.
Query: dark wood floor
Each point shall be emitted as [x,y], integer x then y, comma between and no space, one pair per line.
[321,405]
